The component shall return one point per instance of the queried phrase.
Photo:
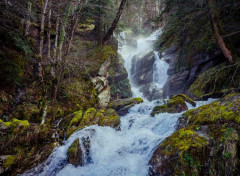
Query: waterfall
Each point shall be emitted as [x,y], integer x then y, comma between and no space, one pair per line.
[124,152]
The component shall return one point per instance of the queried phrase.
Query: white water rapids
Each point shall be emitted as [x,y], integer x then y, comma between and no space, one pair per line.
[124,152]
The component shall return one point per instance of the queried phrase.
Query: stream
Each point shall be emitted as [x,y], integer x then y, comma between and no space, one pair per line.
[124,152]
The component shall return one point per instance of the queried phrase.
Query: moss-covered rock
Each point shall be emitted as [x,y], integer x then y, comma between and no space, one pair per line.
[123,105]
[109,117]
[208,143]
[185,98]
[74,153]
[176,104]
[216,81]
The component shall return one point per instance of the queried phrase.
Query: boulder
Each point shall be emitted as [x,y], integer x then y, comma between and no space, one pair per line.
[206,142]
[79,152]
[74,153]
[123,105]
[176,104]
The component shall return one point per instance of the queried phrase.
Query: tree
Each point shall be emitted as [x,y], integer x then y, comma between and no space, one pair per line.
[221,43]
[115,22]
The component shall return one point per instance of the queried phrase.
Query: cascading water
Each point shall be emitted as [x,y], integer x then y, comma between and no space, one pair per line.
[123,152]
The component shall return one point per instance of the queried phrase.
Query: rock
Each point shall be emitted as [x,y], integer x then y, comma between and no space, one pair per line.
[206,142]
[142,68]
[151,92]
[175,84]
[104,97]
[123,105]
[185,98]
[79,152]
[118,79]
[74,154]
[108,117]
[176,104]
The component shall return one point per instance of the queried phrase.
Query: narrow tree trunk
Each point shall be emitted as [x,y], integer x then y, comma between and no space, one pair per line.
[49,30]
[221,43]
[44,8]
[27,20]
[114,24]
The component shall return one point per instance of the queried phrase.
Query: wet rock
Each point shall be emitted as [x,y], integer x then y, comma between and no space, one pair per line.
[176,104]
[152,92]
[79,152]
[74,153]
[123,105]
[142,68]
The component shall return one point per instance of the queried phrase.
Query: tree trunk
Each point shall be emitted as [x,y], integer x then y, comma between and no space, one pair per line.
[44,7]
[49,30]
[114,24]
[27,20]
[221,43]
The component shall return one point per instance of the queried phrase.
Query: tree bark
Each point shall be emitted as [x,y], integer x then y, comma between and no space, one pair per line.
[109,34]
[44,7]
[221,43]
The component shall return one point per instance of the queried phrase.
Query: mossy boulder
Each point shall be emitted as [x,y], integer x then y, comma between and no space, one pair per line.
[109,117]
[208,143]
[176,104]
[74,153]
[123,105]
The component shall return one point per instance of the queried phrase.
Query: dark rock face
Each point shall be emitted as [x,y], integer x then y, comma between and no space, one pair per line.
[123,105]
[151,92]
[142,69]
[118,80]
[181,76]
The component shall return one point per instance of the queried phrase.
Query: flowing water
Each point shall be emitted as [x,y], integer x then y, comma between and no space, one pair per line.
[124,152]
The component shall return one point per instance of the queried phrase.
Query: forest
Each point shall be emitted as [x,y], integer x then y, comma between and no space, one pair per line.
[120,87]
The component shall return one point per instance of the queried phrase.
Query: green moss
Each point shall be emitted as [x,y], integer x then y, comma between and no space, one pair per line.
[73,152]
[181,141]
[7,124]
[76,119]
[9,161]
[176,104]
[109,117]
[215,112]
[88,117]
[216,81]
[185,97]
[1,121]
